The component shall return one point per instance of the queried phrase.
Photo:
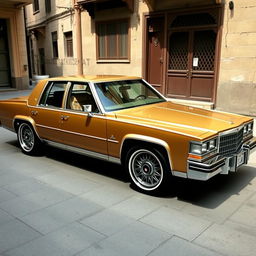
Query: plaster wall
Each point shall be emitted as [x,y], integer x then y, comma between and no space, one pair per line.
[68,66]
[60,19]
[17,46]
[236,90]
[133,66]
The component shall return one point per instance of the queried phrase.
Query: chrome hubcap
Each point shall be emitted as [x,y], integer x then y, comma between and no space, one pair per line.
[145,169]
[26,137]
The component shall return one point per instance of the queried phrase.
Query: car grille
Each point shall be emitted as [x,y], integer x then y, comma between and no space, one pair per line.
[231,143]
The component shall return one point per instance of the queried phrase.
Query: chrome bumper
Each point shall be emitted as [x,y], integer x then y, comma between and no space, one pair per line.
[224,165]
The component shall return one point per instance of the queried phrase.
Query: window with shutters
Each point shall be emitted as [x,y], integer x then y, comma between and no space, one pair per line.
[113,40]
[35,6]
[55,51]
[68,44]
[48,6]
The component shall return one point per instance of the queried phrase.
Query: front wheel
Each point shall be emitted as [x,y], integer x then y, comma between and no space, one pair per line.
[147,169]
[28,140]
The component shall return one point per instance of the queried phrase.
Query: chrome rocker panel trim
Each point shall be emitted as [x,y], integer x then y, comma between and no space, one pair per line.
[83,152]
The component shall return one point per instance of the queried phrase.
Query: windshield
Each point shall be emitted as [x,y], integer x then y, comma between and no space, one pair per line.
[118,95]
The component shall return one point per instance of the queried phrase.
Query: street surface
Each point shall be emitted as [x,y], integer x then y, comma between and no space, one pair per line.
[66,204]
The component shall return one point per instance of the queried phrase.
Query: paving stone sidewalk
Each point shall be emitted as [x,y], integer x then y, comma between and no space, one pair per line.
[66,204]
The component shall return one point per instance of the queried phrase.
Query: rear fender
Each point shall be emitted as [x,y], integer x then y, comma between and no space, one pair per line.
[27,119]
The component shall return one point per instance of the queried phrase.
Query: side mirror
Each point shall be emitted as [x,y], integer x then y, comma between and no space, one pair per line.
[88,109]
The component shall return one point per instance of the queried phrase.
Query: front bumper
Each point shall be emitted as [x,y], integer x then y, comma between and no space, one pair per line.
[222,165]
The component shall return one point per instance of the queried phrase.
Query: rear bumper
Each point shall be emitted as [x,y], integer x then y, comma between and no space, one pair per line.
[223,165]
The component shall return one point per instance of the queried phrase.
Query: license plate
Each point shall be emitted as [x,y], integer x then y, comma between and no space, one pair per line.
[240,159]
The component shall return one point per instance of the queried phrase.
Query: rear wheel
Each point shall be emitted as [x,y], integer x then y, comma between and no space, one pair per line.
[28,140]
[147,169]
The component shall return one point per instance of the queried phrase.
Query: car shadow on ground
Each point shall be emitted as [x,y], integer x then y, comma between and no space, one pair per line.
[87,163]
[212,193]
[207,194]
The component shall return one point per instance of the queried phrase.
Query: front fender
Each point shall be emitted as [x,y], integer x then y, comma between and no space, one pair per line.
[148,139]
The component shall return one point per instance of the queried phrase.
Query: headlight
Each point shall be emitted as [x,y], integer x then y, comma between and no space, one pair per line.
[213,144]
[196,149]
[203,148]
[250,125]
[248,129]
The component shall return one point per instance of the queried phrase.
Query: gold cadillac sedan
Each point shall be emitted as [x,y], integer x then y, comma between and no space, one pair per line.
[125,120]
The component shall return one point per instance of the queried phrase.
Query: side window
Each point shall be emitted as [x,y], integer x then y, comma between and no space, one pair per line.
[80,98]
[53,95]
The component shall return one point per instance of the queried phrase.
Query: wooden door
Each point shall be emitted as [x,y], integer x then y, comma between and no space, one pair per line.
[191,64]
[192,53]
[202,64]
[178,80]
[4,56]
[155,53]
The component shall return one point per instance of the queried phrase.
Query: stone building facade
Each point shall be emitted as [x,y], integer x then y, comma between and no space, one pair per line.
[13,48]
[236,90]
[199,52]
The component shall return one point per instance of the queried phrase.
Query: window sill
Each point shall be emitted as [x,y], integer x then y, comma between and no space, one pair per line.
[113,61]
[36,12]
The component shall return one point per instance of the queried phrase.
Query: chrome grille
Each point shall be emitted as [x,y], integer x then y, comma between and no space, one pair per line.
[231,143]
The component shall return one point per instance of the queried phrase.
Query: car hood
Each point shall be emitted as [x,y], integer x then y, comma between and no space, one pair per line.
[191,121]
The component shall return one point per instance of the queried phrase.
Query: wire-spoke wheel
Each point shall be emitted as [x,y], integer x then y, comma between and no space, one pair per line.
[146,168]
[28,140]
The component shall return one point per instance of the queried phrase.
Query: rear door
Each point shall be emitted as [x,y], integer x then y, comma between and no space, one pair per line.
[47,115]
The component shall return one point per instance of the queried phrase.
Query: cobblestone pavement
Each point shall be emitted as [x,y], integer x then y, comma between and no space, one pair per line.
[66,204]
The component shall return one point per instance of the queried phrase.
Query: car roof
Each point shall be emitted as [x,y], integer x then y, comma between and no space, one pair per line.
[94,78]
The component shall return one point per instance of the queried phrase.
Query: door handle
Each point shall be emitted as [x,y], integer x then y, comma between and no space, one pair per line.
[189,73]
[64,118]
[34,112]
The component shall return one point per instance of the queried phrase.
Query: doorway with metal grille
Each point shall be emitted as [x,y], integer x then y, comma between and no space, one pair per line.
[192,56]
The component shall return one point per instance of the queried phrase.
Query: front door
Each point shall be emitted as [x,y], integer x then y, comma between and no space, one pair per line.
[4,56]
[84,130]
[191,67]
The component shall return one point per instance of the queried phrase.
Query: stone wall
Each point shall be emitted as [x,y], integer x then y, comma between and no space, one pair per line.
[236,90]
[17,46]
